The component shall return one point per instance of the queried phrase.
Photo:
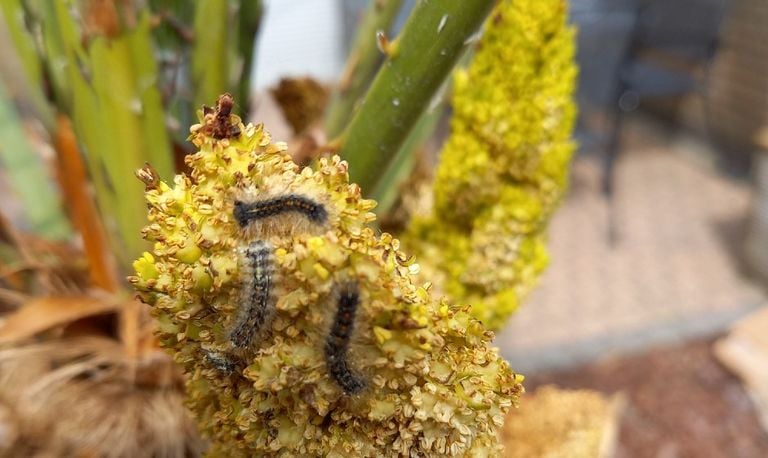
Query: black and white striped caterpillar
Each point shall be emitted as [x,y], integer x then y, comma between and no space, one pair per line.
[337,343]
[222,362]
[257,301]
[245,212]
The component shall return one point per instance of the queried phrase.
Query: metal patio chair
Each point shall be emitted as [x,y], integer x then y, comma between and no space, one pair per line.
[669,53]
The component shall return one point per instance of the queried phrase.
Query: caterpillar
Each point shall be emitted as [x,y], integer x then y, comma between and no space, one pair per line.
[245,212]
[256,301]
[221,362]
[337,344]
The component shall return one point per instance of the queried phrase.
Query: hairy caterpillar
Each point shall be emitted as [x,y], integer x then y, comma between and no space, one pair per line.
[337,344]
[221,362]
[256,303]
[245,212]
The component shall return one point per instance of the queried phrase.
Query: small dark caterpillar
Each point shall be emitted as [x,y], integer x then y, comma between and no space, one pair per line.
[245,212]
[256,294]
[337,344]
[221,362]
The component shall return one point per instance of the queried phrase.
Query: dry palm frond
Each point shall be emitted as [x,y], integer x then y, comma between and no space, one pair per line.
[87,396]
[79,397]
[43,313]
[32,266]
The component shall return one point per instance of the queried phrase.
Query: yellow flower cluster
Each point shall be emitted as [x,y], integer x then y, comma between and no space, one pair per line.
[504,167]
[431,384]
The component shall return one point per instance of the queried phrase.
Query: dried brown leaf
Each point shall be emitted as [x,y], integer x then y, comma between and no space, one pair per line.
[9,234]
[44,313]
[302,100]
[10,298]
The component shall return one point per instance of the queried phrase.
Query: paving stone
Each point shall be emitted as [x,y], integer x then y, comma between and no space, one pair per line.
[672,275]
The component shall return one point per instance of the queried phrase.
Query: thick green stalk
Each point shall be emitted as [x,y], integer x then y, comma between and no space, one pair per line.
[421,58]
[249,19]
[224,34]
[363,62]
[211,57]
[387,188]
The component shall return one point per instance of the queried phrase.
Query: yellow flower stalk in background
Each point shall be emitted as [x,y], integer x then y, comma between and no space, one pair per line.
[301,331]
[504,167]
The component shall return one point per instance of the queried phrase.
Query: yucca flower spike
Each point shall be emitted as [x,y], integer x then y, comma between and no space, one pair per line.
[302,331]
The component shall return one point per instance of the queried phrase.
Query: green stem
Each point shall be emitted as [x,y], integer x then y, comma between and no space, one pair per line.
[222,54]
[423,56]
[211,55]
[249,19]
[363,62]
[387,189]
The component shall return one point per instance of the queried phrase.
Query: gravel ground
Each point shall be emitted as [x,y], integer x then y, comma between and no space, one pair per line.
[681,403]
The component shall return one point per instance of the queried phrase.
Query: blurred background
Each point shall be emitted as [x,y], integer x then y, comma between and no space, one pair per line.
[656,292]
[659,266]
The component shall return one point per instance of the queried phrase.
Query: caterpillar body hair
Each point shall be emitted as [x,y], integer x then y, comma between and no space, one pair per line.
[256,305]
[246,212]
[221,361]
[337,343]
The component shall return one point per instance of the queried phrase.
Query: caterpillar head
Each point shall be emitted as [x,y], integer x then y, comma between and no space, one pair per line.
[346,355]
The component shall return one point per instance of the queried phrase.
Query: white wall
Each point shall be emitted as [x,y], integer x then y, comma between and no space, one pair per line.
[298,38]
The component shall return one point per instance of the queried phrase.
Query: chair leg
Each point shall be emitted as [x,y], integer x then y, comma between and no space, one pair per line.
[613,148]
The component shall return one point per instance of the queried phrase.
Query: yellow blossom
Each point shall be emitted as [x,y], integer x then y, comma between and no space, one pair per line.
[432,385]
[504,167]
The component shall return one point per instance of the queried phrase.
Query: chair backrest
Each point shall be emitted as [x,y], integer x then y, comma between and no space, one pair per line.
[687,28]
[604,34]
